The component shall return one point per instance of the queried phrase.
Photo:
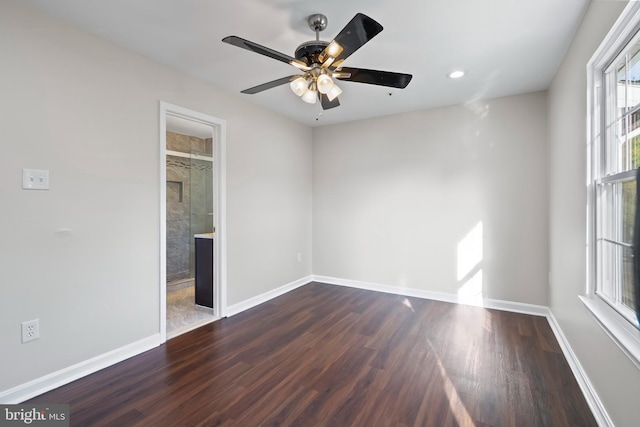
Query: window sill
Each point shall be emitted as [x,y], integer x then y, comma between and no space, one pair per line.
[625,335]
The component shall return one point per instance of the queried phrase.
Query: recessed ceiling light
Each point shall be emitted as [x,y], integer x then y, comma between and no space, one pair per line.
[455,74]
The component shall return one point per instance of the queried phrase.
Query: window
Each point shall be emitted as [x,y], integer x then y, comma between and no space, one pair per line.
[614,154]
[615,182]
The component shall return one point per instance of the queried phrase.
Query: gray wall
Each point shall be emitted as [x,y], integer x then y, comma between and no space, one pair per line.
[395,196]
[616,379]
[178,219]
[88,111]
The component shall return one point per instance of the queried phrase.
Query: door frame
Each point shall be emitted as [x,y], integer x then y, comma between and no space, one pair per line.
[219,151]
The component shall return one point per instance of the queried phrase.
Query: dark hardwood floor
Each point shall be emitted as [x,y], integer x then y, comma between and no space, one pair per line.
[326,355]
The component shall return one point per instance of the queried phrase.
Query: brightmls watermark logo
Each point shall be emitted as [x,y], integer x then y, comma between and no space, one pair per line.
[34,415]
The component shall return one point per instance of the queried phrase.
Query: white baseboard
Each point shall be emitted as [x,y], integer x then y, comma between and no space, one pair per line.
[516,307]
[64,376]
[262,298]
[593,400]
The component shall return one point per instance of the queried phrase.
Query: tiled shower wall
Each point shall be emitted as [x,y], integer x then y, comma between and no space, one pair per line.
[189,202]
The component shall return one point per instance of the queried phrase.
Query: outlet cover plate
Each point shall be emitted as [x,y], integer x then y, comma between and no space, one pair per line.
[30,330]
[34,179]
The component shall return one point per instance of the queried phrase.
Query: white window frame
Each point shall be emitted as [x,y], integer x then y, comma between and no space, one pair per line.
[623,32]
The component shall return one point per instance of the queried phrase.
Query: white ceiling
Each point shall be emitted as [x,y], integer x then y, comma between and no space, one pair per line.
[507,47]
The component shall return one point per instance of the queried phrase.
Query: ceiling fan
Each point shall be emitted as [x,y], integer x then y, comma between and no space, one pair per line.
[321,62]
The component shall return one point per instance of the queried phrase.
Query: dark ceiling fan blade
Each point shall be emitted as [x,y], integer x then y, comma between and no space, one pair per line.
[376,77]
[269,85]
[262,50]
[326,104]
[353,36]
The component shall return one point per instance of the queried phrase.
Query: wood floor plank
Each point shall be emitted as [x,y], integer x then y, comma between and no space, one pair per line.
[325,355]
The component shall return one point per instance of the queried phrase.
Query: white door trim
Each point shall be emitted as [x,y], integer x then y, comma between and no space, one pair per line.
[220,196]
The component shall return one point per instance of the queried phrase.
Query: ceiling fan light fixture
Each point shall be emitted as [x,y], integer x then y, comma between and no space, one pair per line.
[325,84]
[310,96]
[299,86]
[334,49]
[334,93]
[327,63]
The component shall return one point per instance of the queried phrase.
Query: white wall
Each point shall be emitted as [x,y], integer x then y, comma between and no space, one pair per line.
[616,379]
[395,196]
[88,111]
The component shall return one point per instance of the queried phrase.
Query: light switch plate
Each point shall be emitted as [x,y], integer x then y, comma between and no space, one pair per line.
[34,179]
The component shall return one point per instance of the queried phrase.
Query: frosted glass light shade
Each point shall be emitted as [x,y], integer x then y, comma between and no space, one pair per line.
[334,49]
[334,93]
[310,96]
[324,83]
[299,86]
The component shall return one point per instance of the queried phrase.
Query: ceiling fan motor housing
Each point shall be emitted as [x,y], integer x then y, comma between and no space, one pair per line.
[308,52]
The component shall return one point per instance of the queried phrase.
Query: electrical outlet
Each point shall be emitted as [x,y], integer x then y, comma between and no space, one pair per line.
[299,257]
[33,179]
[30,330]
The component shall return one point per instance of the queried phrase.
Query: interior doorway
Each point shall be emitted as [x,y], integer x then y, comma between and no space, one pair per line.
[192,211]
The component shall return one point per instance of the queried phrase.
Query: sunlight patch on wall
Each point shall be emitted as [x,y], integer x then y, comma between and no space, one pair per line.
[469,271]
[471,292]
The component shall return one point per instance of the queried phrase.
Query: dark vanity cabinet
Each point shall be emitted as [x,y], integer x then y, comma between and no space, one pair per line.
[204,270]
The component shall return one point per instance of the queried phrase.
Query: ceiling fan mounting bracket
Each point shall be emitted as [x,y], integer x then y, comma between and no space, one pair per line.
[317,22]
